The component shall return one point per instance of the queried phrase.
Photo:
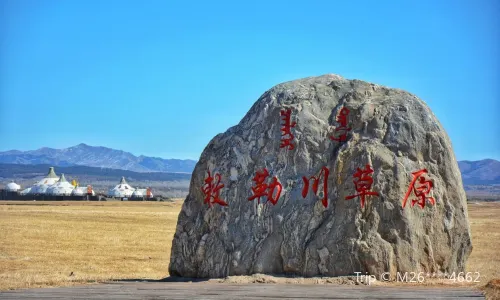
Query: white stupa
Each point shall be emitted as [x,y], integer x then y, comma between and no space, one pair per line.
[121,190]
[12,187]
[42,186]
[60,188]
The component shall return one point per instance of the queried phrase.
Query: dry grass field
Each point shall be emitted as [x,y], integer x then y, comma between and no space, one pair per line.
[59,243]
[64,243]
[484,220]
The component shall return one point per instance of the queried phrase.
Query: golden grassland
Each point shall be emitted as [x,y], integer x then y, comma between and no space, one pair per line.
[63,243]
[484,221]
[42,243]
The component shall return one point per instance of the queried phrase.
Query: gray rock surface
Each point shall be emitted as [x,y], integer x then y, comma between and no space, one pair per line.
[391,130]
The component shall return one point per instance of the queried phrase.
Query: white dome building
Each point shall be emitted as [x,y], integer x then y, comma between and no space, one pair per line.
[60,188]
[25,191]
[81,191]
[42,186]
[121,190]
[142,193]
[12,187]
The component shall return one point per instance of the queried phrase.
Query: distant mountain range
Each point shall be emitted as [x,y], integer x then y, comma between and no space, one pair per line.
[31,172]
[482,172]
[85,155]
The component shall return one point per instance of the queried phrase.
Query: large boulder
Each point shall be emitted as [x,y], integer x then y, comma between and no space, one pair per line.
[371,159]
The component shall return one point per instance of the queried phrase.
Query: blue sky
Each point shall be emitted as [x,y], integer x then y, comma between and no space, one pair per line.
[161,78]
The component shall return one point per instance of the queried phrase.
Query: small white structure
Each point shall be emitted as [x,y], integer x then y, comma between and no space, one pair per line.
[42,186]
[60,188]
[81,191]
[142,193]
[121,190]
[13,187]
[25,191]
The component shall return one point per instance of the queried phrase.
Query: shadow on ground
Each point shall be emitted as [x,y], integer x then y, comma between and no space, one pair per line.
[166,279]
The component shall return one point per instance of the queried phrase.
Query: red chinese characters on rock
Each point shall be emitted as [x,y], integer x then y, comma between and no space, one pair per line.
[420,187]
[343,129]
[363,183]
[262,189]
[286,130]
[316,179]
[211,189]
